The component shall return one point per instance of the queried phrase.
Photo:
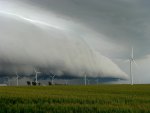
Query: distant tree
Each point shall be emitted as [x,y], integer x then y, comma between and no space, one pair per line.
[28,83]
[34,83]
[49,83]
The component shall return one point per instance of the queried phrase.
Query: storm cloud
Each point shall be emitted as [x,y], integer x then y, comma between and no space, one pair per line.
[73,36]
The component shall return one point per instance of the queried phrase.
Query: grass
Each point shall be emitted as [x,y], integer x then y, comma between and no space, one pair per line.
[76,99]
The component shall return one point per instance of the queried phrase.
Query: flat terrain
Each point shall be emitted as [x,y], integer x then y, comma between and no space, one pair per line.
[76,99]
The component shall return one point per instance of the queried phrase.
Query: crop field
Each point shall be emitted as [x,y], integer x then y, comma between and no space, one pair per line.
[75,99]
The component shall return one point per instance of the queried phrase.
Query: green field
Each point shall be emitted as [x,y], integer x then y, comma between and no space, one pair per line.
[76,99]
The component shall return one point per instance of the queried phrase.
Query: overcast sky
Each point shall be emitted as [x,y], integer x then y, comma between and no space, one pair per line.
[77,36]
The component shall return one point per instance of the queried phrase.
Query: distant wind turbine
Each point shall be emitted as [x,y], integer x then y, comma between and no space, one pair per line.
[131,64]
[52,77]
[36,74]
[66,82]
[17,78]
[85,79]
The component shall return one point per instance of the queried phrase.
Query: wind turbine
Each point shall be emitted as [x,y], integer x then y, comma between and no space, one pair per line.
[17,78]
[36,73]
[85,78]
[131,64]
[66,82]
[52,77]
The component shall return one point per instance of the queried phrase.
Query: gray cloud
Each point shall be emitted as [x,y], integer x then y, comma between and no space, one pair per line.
[97,28]
[30,42]
[122,22]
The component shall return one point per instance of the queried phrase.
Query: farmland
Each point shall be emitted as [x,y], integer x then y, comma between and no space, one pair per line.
[75,99]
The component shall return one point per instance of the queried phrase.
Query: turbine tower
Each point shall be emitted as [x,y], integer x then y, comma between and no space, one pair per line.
[17,77]
[85,79]
[131,64]
[36,73]
[66,82]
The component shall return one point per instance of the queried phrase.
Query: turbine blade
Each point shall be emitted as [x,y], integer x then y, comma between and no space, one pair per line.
[135,63]
[132,53]
[17,74]
[34,70]
[53,75]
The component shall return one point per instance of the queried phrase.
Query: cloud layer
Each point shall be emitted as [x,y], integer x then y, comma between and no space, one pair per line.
[29,40]
[75,36]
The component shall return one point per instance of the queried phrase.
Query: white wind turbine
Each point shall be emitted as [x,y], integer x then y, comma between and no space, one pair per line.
[36,74]
[66,82]
[131,64]
[85,78]
[17,78]
[52,77]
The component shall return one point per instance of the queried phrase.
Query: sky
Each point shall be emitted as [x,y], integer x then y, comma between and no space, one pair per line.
[74,37]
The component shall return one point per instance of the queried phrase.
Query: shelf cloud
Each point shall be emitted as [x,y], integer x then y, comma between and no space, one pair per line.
[33,43]
[72,37]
